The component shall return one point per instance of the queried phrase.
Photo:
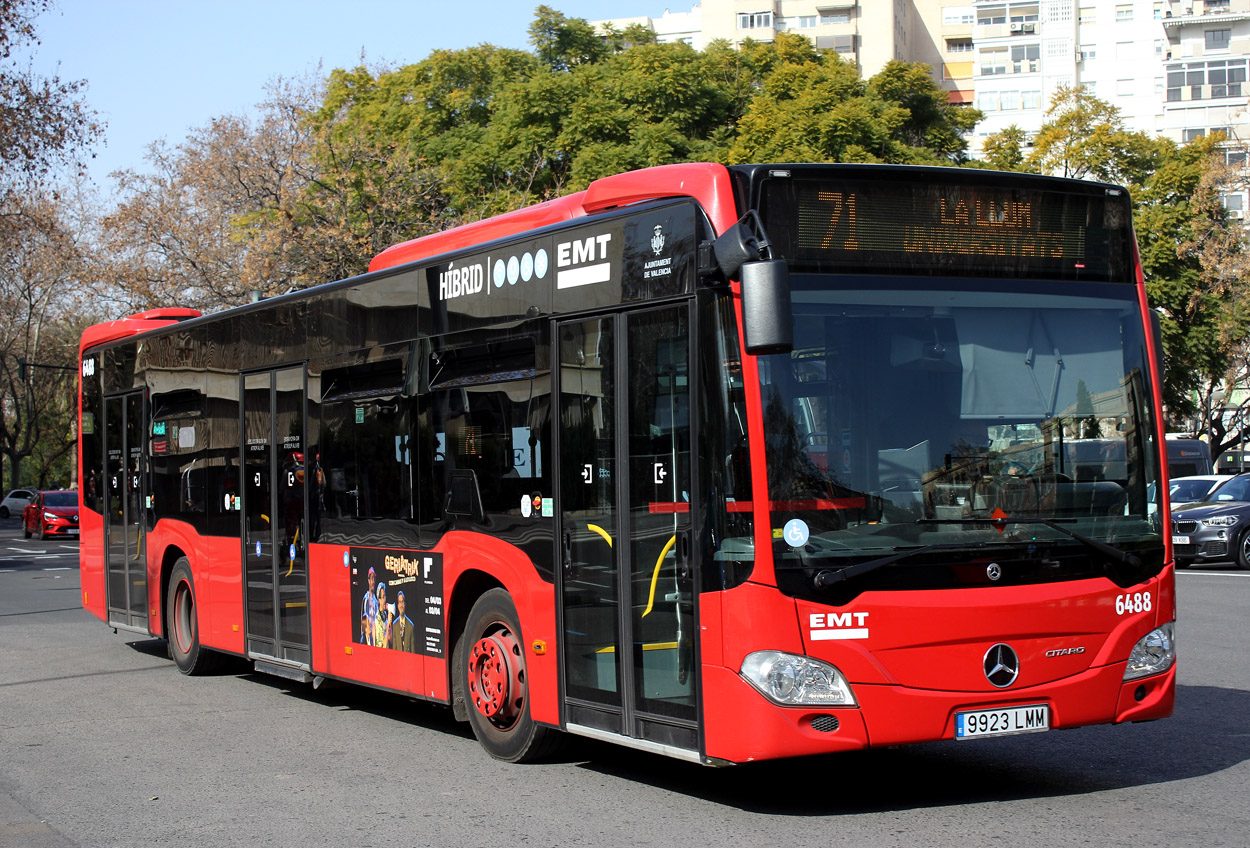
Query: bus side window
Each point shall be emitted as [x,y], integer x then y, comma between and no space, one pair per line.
[481,452]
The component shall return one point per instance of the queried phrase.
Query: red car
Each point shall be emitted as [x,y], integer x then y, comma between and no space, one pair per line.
[51,514]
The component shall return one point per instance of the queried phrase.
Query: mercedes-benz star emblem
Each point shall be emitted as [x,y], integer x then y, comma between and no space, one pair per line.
[993,571]
[1001,665]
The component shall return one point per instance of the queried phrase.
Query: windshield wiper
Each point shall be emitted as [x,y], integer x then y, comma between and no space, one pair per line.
[1110,551]
[825,579]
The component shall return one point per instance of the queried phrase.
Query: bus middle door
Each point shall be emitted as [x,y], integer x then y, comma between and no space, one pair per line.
[275,542]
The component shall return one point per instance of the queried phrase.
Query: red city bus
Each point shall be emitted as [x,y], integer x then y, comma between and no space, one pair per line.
[723,463]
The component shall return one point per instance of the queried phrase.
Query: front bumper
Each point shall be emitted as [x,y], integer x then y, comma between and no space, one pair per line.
[744,726]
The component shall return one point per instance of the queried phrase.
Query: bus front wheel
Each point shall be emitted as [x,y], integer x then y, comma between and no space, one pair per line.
[182,628]
[495,682]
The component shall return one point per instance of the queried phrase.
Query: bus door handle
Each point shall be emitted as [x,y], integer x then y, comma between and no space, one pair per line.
[566,543]
[683,554]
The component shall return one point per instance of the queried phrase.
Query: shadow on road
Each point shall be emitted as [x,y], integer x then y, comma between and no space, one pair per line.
[1206,735]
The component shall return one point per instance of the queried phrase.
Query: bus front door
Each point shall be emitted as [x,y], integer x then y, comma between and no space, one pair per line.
[125,493]
[275,524]
[627,601]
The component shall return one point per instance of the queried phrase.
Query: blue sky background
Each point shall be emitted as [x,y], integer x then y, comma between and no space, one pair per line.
[157,69]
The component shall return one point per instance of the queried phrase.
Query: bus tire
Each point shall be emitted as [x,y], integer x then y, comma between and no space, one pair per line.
[182,623]
[495,682]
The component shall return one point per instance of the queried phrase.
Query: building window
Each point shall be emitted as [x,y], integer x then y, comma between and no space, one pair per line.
[1023,14]
[991,15]
[808,21]
[1235,157]
[987,101]
[1030,100]
[1124,88]
[1009,101]
[1088,53]
[1024,59]
[1158,11]
[1087,15]
[1124,13]
[1218,78]
[1192,135]
[1233,202]
[1215,7]
[993,61]
[959,45]
[755,20]
[1218,39]
[836,17]
[844,44]
[958,16]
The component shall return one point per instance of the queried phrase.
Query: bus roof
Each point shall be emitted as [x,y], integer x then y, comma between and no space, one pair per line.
[707,183]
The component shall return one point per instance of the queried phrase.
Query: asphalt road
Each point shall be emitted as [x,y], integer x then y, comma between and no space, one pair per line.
[104,743]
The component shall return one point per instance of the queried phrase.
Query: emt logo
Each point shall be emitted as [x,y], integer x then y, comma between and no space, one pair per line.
[826,626]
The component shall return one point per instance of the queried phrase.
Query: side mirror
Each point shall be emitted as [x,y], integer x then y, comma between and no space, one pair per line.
[767,320]
[743,251]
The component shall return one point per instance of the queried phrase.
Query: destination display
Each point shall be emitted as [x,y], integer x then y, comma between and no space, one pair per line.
[947,229]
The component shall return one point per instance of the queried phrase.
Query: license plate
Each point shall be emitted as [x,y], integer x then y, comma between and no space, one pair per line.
[1180,540]
[73,531]
[1004,721]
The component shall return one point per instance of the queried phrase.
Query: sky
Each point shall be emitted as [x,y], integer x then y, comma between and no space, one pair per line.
[155,70]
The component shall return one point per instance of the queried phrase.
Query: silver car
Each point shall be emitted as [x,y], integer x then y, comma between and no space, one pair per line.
[1216,528]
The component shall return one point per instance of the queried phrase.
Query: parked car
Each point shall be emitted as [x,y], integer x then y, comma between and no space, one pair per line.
[1216,528]
[14,502]
[51,514]
[1186,490]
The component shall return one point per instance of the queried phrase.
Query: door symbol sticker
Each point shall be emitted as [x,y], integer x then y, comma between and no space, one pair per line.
[660,473]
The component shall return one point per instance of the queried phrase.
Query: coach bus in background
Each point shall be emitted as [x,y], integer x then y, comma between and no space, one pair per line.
[722,463]
[1188,458]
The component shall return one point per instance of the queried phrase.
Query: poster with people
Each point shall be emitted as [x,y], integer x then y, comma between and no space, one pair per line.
[398,599]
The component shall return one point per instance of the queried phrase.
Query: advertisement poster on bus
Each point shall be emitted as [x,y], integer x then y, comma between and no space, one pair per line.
[398,597]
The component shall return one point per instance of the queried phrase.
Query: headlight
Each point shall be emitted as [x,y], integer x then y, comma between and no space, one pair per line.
[1221,521]
[1154,653]
[793,680]
[49,516]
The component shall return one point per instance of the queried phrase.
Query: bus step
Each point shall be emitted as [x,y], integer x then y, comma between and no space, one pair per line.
[290,672]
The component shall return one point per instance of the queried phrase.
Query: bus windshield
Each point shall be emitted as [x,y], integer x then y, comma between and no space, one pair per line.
[962,416]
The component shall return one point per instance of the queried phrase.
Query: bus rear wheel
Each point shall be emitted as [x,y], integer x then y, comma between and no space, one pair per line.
[182,623]
[495,682]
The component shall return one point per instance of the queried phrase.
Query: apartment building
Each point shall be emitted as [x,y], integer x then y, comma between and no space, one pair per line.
[1173,67]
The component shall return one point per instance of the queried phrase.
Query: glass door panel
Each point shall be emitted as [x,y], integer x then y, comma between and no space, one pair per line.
[258,512]
[661,585]
[588,509]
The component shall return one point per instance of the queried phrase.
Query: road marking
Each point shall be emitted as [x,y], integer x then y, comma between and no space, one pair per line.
[1242,574]
[58,568]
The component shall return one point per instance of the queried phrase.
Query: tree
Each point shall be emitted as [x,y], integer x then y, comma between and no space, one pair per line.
[1004,150]
[1181,226]
[565,43]
[816,109]
[1084,138]
[213,219]
[44,122]
[38,260]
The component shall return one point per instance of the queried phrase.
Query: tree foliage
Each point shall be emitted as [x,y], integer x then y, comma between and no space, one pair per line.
[44,121]
[38,346]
